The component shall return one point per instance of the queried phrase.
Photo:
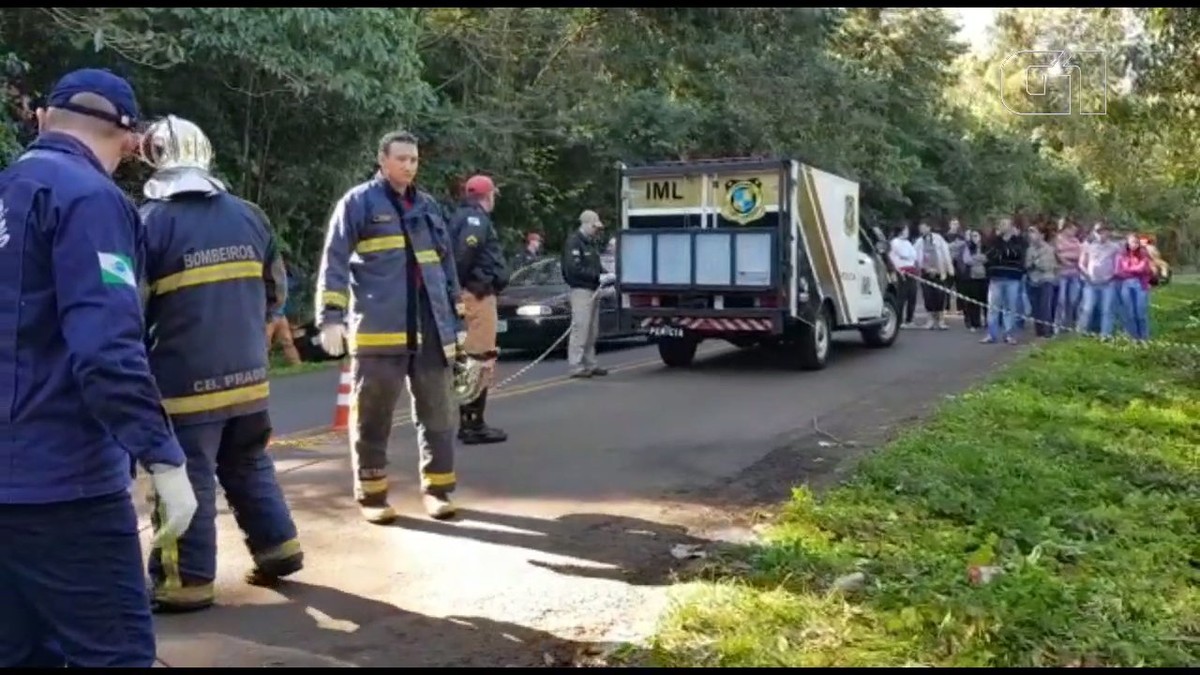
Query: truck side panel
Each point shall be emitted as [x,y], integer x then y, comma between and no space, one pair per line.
[837,201]
[815,221]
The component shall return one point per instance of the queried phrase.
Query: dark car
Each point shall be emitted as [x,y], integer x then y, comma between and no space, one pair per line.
[535,309]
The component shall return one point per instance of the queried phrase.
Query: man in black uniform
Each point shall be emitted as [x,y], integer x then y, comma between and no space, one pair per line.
[482,274]
[584,273]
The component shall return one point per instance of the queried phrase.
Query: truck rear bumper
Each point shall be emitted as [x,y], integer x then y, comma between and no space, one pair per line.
[709,324]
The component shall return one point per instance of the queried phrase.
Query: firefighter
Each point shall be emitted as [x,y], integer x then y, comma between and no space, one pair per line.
[212,274]
[482,273]
[387,286]
[77,394]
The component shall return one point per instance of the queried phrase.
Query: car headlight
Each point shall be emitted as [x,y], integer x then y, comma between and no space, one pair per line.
[534,310]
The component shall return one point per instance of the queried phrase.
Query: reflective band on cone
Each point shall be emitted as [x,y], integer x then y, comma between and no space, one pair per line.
[341,411]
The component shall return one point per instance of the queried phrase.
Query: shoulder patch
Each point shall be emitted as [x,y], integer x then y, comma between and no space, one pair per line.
[472,240]
[116,270]
[382,218]
[472,220]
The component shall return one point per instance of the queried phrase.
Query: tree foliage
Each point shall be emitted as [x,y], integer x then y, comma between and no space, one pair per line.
[549,100]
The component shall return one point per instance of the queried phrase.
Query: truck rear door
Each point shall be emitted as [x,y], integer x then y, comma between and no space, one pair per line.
[705,246]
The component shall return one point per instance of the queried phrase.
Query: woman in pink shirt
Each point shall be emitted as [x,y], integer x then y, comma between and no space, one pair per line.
[1133,272]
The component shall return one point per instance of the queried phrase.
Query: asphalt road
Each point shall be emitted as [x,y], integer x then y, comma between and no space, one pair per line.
[305,401]
[567,529]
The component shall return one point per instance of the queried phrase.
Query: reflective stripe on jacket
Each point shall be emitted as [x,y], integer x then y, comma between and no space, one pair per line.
[364,276]
[213,276]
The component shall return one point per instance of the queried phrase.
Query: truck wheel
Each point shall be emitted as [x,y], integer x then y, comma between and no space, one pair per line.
[884,335]
[677,352]
[811,349]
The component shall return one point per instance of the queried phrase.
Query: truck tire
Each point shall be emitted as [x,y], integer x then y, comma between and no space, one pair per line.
[884,335]
[810,351]
[677,352]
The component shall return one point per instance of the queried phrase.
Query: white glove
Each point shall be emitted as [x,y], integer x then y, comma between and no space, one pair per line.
[333,339]
[608,279]
[176,499]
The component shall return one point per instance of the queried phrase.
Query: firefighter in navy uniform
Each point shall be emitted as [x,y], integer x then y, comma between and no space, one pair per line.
[387,287]
[482,273]
[212,274]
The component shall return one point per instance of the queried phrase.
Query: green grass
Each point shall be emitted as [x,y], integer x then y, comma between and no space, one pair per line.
[1077,471]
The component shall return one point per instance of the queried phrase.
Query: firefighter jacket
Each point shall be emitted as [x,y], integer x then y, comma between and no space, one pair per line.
[381,250]
[77,399]
[213,275]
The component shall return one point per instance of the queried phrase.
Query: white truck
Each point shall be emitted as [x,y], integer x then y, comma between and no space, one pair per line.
[755,252]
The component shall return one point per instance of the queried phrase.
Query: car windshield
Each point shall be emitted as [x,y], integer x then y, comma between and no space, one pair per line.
[541,273]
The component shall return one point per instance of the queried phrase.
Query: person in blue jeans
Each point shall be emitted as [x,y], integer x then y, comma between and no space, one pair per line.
[1132,279]
[1067,250]
[1006,273]
[1042,270]
[1097,266]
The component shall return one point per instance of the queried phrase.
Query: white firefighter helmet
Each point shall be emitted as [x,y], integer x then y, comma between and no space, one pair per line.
[181,155]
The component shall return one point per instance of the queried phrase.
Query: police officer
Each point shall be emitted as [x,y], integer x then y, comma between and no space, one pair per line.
[482,274]
[77,399]
[387,282]
[584,273]
[212,273]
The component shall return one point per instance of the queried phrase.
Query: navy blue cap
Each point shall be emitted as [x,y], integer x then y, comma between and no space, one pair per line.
[103,83]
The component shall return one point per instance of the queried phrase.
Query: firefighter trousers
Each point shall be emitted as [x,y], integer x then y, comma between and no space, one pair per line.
[232,452]
[377,383]
[71,586]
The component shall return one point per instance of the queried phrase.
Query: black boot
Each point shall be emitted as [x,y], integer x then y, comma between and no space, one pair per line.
[472,429]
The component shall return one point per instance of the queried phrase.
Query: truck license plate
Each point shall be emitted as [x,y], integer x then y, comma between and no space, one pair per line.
[501,326]
[665,331]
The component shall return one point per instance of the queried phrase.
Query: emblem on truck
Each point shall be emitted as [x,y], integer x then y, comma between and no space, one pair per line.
[851,217]
[743,201]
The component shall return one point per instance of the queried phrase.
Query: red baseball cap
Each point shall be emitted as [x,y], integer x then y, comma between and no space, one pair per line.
[479,185]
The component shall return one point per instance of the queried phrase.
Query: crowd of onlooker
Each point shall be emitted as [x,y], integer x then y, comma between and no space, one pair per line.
[1026,271]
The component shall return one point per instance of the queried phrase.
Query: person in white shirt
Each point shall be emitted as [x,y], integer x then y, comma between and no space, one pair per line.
[904,258]
[937,269]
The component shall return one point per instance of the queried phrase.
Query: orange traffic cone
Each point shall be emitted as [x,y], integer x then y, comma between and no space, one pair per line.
[341,413]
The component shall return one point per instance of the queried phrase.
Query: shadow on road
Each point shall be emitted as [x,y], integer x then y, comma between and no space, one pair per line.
[761,360]
[635,551]
[319,620]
